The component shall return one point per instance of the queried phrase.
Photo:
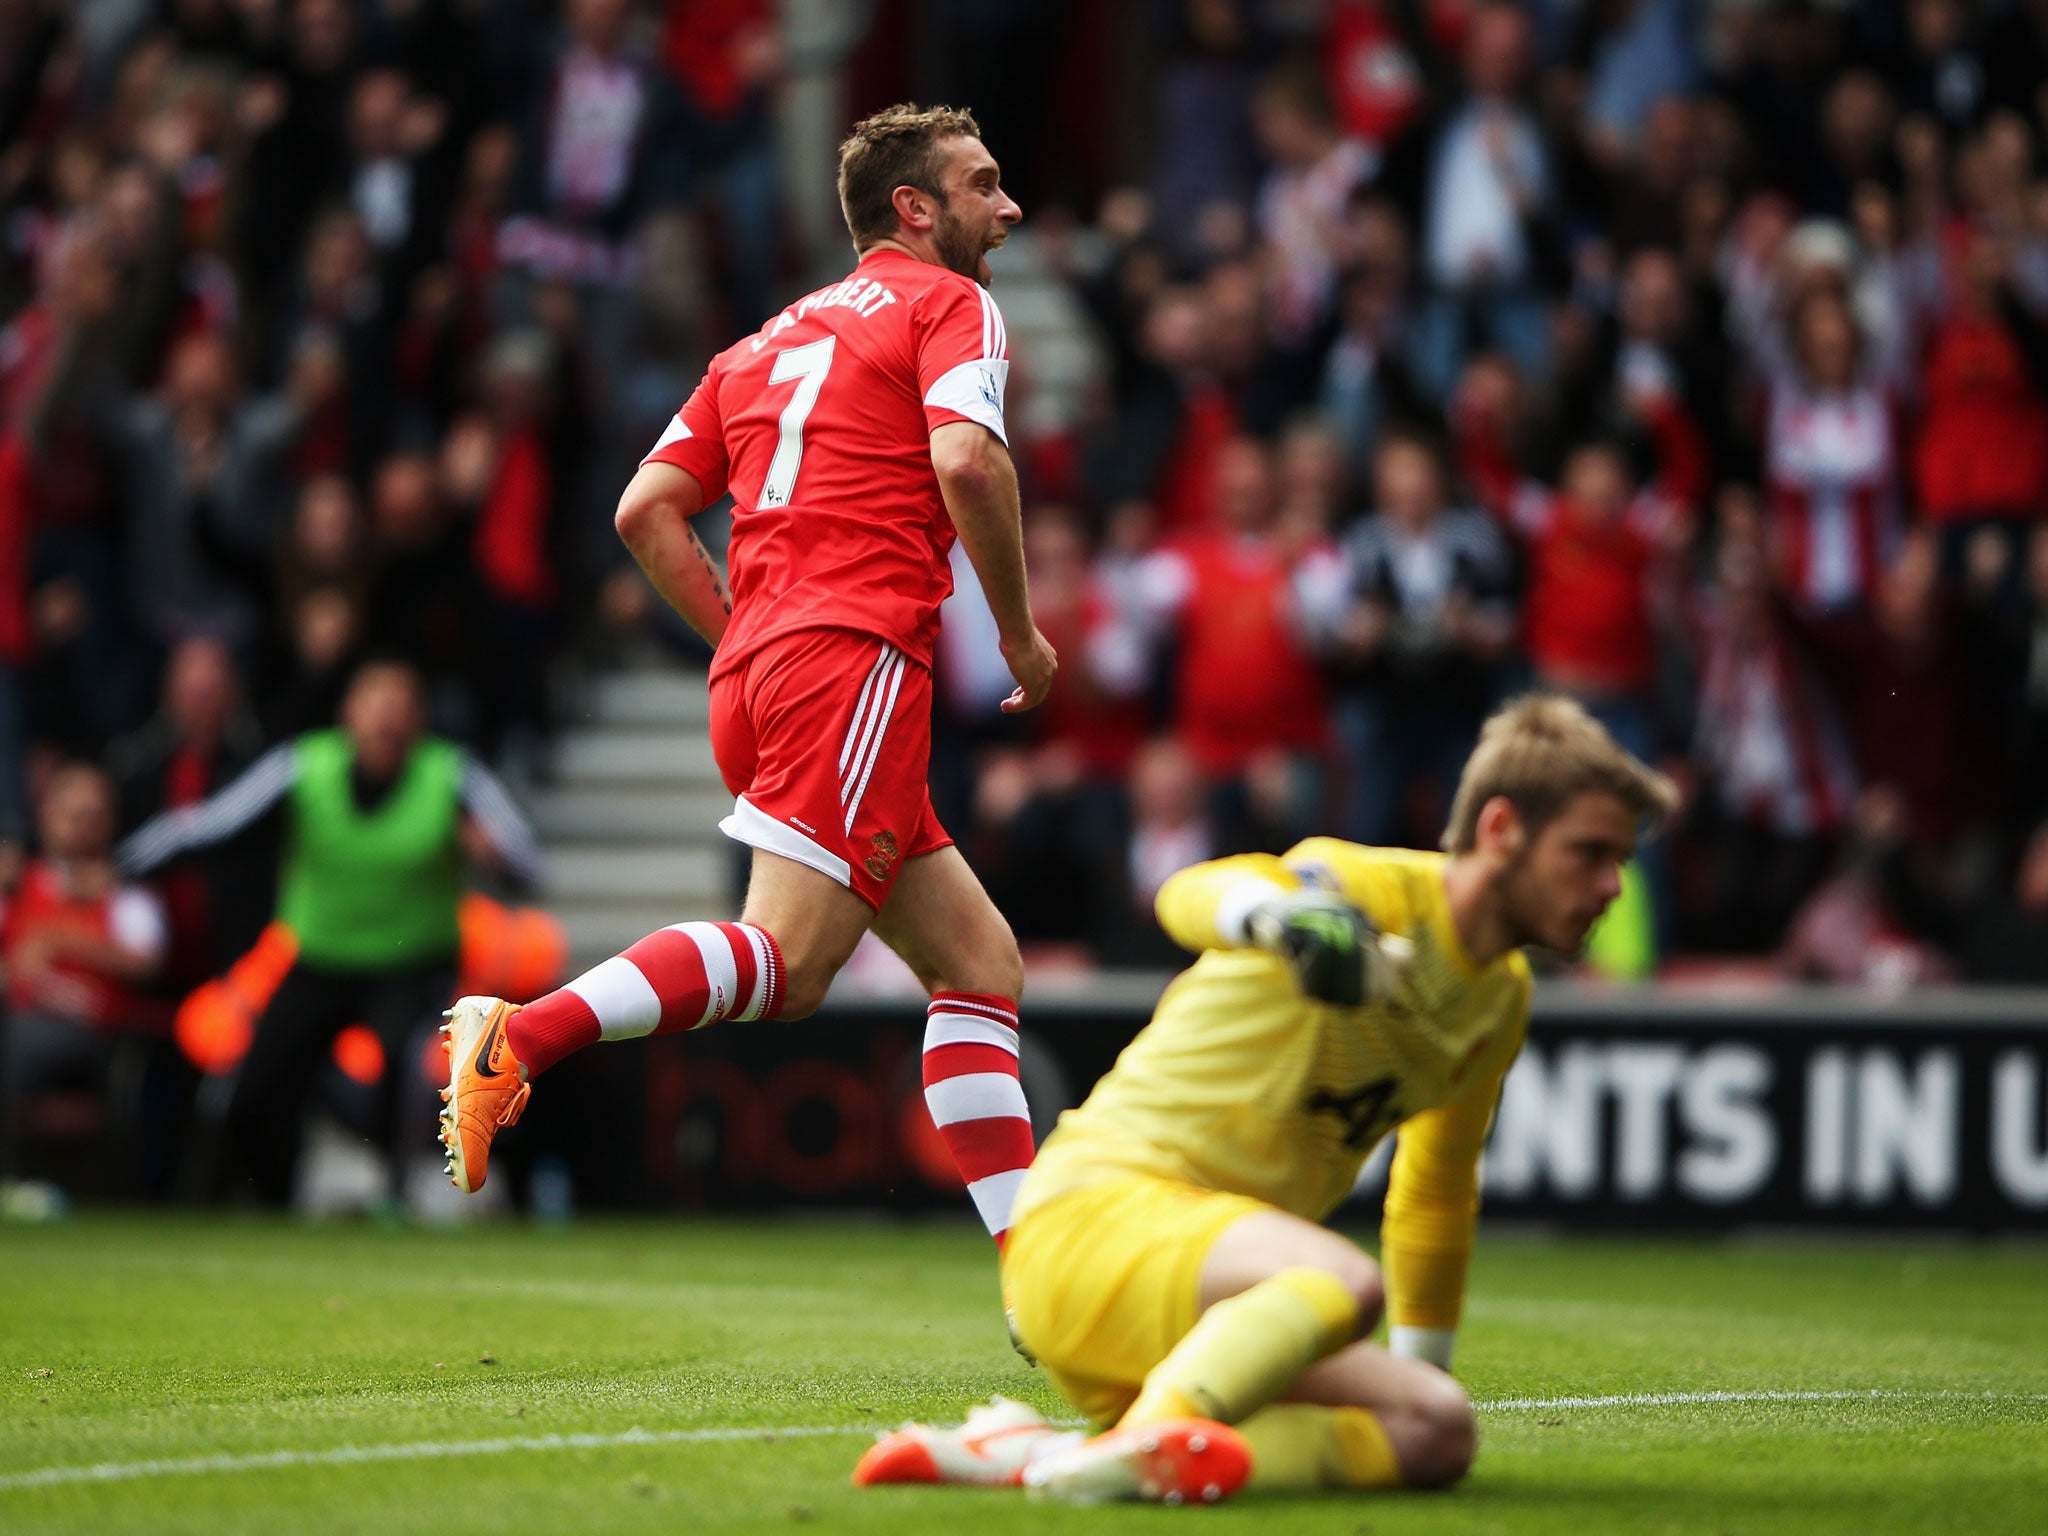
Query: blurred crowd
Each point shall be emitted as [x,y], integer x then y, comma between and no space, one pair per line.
[1687,356]
[329,330]
[327,325]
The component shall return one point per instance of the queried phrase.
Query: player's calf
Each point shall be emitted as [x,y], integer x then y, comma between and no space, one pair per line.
[941,922]
[806,986]
[974,1092]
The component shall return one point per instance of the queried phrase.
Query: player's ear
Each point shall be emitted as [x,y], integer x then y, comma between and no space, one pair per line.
[915,207]
[1500,827]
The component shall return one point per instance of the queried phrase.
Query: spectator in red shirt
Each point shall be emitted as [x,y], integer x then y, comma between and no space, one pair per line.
[1248,695]
[517,499]
[1375,84]
[1595,552]
[1184,413]
[725,56]
[1098,713]
[76,944]
[78,948]
[1980,454]
[1246,685]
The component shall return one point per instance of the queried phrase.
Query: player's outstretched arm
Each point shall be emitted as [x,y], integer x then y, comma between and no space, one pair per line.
[1208,905]
[654,520]
[979,484]
[1256,901]
[1432,1211]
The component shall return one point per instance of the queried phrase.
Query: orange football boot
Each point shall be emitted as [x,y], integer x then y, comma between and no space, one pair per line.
[487,1087]
[1175,1461]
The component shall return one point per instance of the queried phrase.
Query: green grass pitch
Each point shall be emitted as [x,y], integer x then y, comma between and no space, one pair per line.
[348,1379]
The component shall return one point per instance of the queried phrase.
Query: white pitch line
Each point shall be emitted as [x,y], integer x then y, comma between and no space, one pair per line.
[427,1450]
[1681,1399]
[424,1450]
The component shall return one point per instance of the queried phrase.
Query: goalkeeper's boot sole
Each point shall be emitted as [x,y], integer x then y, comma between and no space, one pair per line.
[1175,1461]
[487,1087]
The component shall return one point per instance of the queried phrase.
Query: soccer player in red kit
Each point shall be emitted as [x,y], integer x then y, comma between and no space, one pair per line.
[859,432]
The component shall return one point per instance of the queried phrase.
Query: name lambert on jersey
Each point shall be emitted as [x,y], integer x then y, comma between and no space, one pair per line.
[861,294]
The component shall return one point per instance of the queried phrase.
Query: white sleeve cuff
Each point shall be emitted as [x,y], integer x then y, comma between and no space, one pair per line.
[975,390]
[674,432]
[1234,911]
[1431,1344]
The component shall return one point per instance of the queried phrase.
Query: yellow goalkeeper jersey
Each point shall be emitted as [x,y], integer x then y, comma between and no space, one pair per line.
[1241,1083]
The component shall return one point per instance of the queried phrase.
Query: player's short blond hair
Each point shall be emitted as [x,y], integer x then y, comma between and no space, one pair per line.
[897,147]
[1541,752]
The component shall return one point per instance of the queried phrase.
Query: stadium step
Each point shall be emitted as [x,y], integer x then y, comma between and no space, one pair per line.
[584,813]
[1050,338]
[650,758]
[629,818]
[659,700]
[665,874]
[596,931]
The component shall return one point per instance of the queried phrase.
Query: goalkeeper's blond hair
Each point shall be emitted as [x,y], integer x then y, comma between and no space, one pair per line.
[1540,753]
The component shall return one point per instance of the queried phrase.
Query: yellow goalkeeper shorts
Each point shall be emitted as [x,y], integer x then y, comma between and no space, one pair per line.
[1104,1280]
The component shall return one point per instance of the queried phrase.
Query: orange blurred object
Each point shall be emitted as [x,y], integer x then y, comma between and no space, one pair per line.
[359,1054]
[216,1022]
[516,953]
[511,952]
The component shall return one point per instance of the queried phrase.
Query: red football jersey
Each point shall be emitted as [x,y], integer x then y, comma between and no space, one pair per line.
[820,425]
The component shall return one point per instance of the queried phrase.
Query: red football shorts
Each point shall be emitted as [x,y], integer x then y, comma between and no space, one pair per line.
[825,738]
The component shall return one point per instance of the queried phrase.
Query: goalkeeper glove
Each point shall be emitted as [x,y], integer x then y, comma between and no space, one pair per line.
[1336,954]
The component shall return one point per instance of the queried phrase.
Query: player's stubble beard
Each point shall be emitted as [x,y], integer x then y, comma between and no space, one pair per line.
[1523,904]
[959,248]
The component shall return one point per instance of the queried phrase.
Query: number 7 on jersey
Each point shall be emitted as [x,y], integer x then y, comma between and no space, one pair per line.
[808,365]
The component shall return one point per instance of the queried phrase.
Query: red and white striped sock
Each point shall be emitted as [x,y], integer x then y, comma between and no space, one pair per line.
[683,977]
[975,1097]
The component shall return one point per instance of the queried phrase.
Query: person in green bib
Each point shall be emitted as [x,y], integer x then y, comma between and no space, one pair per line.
[380,823]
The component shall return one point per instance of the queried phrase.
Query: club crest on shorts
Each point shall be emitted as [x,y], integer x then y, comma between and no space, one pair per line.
[882,860]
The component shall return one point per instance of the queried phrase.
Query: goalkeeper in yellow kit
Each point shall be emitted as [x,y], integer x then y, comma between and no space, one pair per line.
[1166,1262]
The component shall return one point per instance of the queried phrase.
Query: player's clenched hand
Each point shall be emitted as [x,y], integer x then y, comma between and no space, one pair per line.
[1033,663]
[1335,952]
